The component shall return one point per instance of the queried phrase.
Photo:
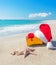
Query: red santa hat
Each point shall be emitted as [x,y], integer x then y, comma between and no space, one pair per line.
[45,29]
[44,33]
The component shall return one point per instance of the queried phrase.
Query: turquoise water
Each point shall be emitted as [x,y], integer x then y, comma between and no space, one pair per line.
[12,27]
[17,22]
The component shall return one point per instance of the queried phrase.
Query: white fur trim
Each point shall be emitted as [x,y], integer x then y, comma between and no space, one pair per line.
[41,36]
[49,45]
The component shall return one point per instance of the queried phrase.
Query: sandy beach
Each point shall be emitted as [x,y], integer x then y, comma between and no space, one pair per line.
[44,56]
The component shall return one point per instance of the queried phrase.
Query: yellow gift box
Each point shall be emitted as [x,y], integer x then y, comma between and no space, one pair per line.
[33,41]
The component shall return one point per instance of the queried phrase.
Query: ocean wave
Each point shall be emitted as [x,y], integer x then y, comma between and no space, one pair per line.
[17,29]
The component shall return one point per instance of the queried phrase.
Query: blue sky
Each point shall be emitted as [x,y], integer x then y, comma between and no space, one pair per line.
[27,9]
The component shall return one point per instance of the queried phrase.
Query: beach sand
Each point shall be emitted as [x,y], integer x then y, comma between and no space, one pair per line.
[44,56]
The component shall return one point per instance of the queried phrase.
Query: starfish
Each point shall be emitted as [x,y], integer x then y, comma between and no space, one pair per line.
[25,52]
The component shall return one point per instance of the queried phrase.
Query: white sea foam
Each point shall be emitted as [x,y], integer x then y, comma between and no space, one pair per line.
[9,30]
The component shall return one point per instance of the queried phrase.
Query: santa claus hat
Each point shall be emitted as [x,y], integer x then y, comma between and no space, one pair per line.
[44,33]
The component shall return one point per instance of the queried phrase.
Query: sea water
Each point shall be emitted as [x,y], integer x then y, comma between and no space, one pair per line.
[12,27]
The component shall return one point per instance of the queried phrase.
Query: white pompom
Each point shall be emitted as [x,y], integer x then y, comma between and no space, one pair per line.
[49,45]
